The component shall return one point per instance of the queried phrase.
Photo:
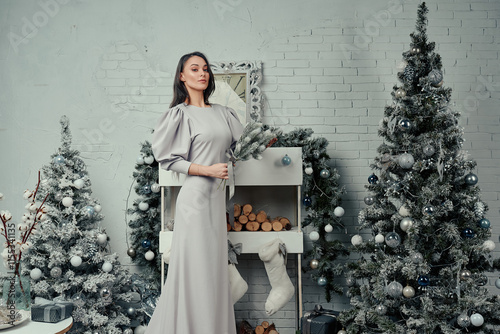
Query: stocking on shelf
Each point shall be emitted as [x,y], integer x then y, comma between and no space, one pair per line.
[273,254]
[238,285]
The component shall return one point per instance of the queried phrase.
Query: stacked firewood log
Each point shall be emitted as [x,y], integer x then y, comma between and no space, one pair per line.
[263,328]
[245,219]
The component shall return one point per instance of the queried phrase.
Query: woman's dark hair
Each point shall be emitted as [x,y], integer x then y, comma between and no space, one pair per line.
[180,91]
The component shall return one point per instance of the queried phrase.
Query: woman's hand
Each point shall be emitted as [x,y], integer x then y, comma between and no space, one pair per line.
[218,170]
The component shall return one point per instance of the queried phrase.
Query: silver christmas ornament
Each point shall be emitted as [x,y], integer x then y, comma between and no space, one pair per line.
[55,272]
[417,258]
[429,150]
[394,289]
[392,239]
[131,252]
[406,223]
[471,179]
[415,50]
[105,293]
[465,274]
[400,92]
[322,281]
[325,173]
[369,200]
[408,291]
[428,210]
[350,281]
[381,309]
[406,160]
[131,311]
[435,77]
[463,320]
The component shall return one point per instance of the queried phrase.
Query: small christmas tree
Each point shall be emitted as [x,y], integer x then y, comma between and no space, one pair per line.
[70,256]
[423,270]
[321,195]
[147,223]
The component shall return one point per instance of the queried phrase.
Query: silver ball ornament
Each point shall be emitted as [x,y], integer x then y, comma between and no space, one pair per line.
[429,150]
[406,160]
[322,281]
[105,293]
[131,252]
[415,50]
[435,77]
[131,311]
[497,283]
[417,258]
[381,309]
[324,173]
[465,274]
[369,200]
[463,320]
[55,272]
[128,331]
[392,239]
[394,289]
[428,210]
[400,92]
[350,281]
[471,179]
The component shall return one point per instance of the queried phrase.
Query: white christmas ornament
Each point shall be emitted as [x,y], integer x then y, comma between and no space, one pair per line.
[97,208]
[476,319]
[76,261]
[314,235]
[356,240]
[408,291]
[339,211]
[149,255]
[489,245]
[406,223]
[1,196]
[155,187]
[143,206]
[403,211]
[328,228]
[35,273]
[140,159]
[379,238]
[67,201]
[308,170]
[149,159]
[102,239]
[140,329]
[78,183]
[107,267]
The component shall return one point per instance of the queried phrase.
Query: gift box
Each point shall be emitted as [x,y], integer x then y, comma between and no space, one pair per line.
[50,311]
[320,321]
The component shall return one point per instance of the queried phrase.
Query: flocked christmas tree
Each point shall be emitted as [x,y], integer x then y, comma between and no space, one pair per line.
[146,224]
[321,196]
[423,271]
[70,256]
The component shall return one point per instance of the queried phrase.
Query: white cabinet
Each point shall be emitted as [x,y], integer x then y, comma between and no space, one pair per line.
[267,184]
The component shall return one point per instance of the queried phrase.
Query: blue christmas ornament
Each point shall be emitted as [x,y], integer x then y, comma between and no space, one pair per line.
[423,280]
[146,243]
[468,233]
[89,211]
[405,124]
[146,189]
[322,281]
[484,223]
[307,201]
[471,179]
[59,160]
[373,179]
[286,160]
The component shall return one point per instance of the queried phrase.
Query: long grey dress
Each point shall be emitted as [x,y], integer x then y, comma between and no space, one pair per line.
[196,297]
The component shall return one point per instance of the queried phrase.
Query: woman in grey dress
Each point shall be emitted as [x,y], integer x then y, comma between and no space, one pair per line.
[192,138]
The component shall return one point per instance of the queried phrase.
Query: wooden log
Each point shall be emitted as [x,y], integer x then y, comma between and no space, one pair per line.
[252,226]
[245,328]
[259,329]
[243,219]
[237,226]
[286,223]
[229,227]
[265,324]
[247,209]
[277,226]
[237,210]
[271,329]
[252,216]
[266,226]
[261,216]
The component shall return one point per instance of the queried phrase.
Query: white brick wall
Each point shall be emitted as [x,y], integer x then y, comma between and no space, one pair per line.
[324,70]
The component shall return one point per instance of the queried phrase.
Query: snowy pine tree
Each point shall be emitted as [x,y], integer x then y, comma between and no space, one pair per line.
[70,256]
[423,269]
[146,224]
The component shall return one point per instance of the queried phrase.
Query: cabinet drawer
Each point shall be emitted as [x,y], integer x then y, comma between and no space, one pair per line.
[266,172]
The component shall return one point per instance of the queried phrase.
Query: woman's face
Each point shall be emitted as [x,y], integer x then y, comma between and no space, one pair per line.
[195,74]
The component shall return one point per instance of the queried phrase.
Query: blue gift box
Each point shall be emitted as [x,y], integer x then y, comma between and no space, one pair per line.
[320,321]
[51,311]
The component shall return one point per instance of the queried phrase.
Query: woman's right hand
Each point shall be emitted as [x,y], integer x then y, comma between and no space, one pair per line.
[218,170]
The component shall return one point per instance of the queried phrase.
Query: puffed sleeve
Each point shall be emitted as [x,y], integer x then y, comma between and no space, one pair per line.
[172,141]
[234,125]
